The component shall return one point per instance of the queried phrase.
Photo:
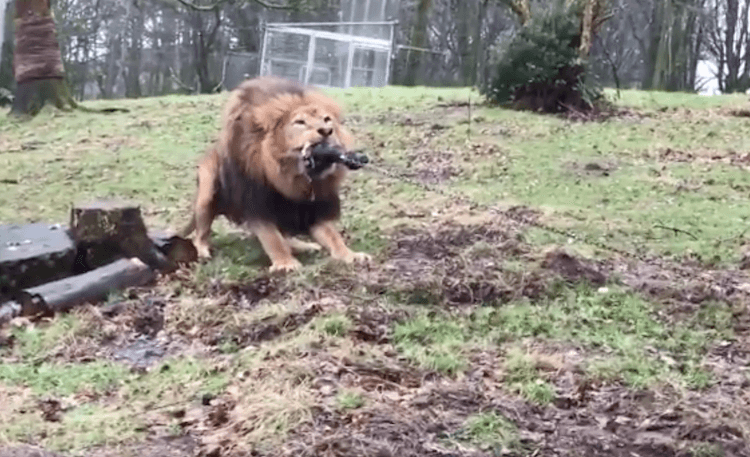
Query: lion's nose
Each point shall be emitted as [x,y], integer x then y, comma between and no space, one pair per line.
[325,131]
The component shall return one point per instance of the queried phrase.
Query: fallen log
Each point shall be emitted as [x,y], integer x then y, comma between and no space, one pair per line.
[60,296]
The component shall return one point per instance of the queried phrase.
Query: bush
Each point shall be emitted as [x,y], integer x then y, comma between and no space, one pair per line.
[538,70]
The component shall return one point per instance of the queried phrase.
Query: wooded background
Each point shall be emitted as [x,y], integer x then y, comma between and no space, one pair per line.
[136,48]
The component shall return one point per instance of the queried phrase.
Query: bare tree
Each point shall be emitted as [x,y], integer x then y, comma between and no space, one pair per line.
[38,66]
[728,43]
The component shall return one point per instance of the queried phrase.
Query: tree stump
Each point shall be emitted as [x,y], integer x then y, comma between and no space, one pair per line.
[107,230]
[32,254]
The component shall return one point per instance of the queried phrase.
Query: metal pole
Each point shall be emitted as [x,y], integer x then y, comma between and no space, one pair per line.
[263,52]
[390,56]
[349,64]
[310,59]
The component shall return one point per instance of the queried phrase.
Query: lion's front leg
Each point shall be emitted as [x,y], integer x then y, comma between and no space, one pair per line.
[276,247]
[327,235]
[204,213]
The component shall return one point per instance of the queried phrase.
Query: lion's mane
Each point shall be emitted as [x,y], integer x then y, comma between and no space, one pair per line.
[251,162]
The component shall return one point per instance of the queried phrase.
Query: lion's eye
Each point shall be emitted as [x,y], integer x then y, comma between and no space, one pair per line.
[327,119]
[300,121]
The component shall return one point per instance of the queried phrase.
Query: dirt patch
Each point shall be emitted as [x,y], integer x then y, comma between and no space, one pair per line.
[177,446]
[731,157]
[684,287]
[249,294]
[740,112]
[26,451]
[432,167]
[602,113]
[275,326]
[381,432]
[373,324]
[457,264]
[592,169]
[572,269]
[415,416]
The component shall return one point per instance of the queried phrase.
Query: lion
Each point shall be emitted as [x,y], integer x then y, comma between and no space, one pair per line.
[254,173]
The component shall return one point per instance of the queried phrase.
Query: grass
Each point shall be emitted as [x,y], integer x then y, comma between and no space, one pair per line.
[350,400]
[649,201]
[491,430]
[618,325]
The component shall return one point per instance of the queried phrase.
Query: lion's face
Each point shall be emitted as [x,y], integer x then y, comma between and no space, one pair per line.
[309,125]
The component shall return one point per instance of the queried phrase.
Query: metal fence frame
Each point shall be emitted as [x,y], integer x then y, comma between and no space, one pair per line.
[354,42]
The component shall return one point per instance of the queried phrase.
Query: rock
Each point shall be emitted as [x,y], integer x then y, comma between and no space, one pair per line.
[32,254]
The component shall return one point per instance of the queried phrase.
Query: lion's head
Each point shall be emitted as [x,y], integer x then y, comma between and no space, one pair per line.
[297,121]
[269,123]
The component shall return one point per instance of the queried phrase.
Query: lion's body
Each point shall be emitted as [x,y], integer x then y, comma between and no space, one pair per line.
[254,173]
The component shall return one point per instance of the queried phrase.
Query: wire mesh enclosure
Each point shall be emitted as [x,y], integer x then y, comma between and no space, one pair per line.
[329,54]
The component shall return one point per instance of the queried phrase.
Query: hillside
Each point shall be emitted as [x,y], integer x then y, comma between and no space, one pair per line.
[471,334]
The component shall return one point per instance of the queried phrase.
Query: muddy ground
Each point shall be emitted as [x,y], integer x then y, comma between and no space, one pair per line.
[418,412]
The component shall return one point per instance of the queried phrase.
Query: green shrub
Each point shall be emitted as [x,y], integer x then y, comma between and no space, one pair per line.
[538,69]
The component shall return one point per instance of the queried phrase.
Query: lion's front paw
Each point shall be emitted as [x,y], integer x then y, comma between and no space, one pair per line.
[355,257]
[203,249]
[285,266]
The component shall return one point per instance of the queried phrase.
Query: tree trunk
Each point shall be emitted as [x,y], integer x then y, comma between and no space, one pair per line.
[2,27]
[478,44]
[463,27]
[134,55]
[37,62]
[418,39]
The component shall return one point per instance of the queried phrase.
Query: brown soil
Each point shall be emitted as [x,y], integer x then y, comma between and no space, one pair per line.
[592,169]
[461,265]
[739,159]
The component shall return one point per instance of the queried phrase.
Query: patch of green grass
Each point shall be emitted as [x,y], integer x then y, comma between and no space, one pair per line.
[619,323]
[522,377]
[334,324]
[130,397]
[34,342]
[652,99]
[235,258]
[64,379]
[185,378]
[490,430]
[348,400]
[707,450]
[435,344]
[641,350]
[79,428]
